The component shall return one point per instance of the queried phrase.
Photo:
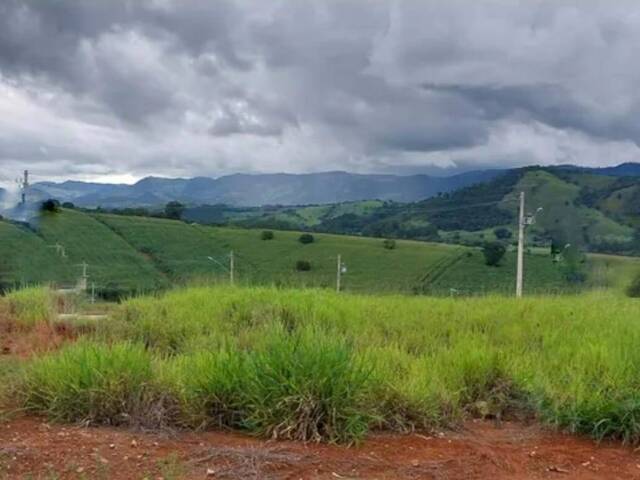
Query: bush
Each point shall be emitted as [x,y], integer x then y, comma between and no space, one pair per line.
[50,205]
[303,265]
[68,205]
[502,233]
[493,253]
[389,244]
[267,235]
[306,238]
[633,290]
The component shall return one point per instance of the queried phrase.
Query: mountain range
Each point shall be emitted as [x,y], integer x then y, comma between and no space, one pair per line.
[277,189]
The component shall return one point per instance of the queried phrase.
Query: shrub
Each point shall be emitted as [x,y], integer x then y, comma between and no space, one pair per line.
[633,290]
[68,205]
[50,205]
[306,238]
[502,233]
[267,235]
[389,244]
[493,253]
[303,265]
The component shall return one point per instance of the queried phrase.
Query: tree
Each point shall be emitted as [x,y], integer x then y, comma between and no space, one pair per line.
[633,290]
[389,244]
[493,253]
[303,265]
[68,205]
[306,238]
[267,235]
[174,210]
[502,233]
[50,205]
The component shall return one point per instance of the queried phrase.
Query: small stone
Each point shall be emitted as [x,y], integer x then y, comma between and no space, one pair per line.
[210,472]
[415,463]
[79,470]
[134,443]
[112,445]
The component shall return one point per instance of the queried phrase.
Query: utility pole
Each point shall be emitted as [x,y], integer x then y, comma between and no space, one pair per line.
[24,185]
[520,267]
[231,267]
[523,222]
[83,279]
[338,273]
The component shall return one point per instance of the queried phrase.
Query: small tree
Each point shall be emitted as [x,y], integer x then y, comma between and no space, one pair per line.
[633,290]
[493,253]
[389,244]
[267,235]
[306,238]
[50,205]
[68,205]
[303,265]
[502,233]
[174,210]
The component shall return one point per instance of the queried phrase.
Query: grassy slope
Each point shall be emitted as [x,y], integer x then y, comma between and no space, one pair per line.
[112,261]
[560,215]
[27,259]
[370,266]
[178,249]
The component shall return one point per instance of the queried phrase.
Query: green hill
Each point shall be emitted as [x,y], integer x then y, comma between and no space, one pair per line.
[114,265]
[26,258]
[132,254]
[596,212]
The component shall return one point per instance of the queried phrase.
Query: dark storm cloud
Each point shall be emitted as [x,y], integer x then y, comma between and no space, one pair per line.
[172,87]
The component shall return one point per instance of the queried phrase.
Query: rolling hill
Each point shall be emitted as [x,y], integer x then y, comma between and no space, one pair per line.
[589,209]
[137,254]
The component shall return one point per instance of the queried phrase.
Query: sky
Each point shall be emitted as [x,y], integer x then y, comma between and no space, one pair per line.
[117,90]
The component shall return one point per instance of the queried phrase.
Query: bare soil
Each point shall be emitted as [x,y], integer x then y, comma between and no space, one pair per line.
[33,448]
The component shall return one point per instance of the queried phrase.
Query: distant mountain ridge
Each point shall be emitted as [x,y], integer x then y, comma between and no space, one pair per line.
[259,189]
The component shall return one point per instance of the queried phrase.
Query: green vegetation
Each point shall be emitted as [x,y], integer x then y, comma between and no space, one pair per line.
[31,305]
[27,259]
[597,212]
[126,255]
[114,265]
[314,365]
[493,252]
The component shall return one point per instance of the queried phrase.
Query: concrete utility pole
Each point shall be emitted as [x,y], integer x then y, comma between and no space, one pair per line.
[523,221]
[231,267]
[520,268]
[83,284]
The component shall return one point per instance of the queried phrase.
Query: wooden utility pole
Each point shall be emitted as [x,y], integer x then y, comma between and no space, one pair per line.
[520,267]
[338,273]
[231,267]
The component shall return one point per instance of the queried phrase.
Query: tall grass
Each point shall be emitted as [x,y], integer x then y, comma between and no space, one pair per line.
[310,364]
[31,305]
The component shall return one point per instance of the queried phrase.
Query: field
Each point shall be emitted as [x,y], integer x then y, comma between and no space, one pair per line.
[127,255]
[312,365]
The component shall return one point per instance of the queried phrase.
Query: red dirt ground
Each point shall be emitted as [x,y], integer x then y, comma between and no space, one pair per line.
[32,448]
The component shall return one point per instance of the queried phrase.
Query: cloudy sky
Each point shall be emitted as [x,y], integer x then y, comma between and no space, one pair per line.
[117,90]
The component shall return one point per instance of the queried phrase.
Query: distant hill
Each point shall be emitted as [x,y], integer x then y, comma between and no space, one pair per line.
[585,207]
[258,189]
